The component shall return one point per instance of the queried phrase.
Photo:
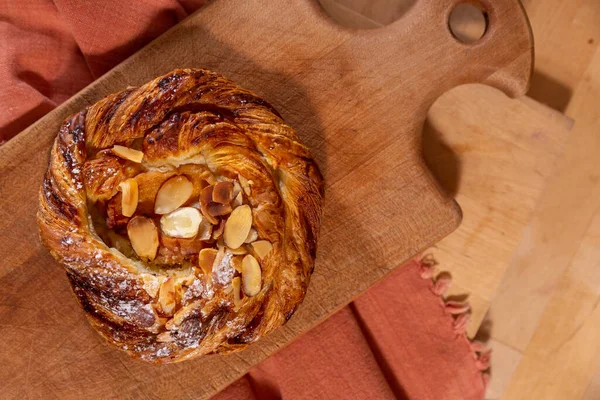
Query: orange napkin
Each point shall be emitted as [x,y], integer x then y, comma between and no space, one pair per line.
[399,340]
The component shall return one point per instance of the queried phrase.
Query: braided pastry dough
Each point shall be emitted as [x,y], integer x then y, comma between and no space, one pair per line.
[185,213]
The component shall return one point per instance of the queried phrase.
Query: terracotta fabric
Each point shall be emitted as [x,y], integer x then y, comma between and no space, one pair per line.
[49,50]
[399,340]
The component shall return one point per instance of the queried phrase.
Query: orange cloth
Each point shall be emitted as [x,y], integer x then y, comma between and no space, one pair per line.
[399,340]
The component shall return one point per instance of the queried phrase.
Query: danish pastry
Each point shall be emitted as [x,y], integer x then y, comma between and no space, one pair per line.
[185,213]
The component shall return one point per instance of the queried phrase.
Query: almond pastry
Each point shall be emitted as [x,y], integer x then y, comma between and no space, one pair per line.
[185,213]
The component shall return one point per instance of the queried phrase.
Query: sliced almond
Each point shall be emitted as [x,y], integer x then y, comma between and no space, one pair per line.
[223,271]
[244,183]
[173,194]
[239,251]
[238,201]
[205,230]
[151,283]
[252,236]
[238,226]
[206,259]
[164,337]
[236,189]
[206,195]
[143,236]
[167,297]
[236,284]
[218,210]
[129,196]
[128,154]
[181,223]
[210,178]
[218,231]
[218,258]
[237,263]
[251,276]
[222,192]
[205,201]
[262,248]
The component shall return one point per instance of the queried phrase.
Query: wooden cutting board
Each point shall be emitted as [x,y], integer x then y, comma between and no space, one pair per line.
[358,99]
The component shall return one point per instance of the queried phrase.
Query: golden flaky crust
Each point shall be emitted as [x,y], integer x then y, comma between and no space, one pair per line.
[184,118]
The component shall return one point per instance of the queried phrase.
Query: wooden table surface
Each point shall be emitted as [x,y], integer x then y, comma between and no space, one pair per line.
[528,251]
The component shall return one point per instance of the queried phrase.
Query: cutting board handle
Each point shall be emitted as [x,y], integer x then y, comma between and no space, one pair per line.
[502,58]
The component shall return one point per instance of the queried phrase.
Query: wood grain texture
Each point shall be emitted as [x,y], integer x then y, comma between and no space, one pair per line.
[556,270]
[503,166]
[358,99]
[563,354]
[548,246]
[567,35]
[497,165]
[559,260]
[549,323]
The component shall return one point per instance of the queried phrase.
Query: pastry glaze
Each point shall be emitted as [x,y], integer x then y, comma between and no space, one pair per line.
[195,121]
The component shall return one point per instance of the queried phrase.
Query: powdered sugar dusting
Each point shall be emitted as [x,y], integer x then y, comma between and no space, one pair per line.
[195,290]
[125,309]
[234,327]
[223,272]
[163,352]
[133,311]
[123,285]
[209,292]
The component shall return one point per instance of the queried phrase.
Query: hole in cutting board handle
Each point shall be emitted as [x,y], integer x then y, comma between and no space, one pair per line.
[468,23]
